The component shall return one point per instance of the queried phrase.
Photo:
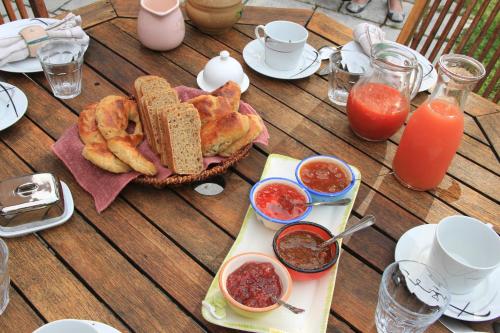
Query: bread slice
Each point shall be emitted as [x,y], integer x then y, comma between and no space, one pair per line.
[256,127]
[180,126]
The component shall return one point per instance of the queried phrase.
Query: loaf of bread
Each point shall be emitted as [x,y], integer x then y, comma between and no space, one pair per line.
[256,126]
[218,135]
[180,132]
[211,107]
[231,90]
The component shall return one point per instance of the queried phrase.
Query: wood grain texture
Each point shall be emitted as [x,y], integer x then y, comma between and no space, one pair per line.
[126,8]
[94,13]
[491,126]
[330,29]
[263,15]
[19,317]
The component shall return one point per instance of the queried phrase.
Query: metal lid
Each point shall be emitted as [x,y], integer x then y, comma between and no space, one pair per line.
[27,193]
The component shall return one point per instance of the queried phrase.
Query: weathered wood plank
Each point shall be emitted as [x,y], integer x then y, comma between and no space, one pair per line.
[18,316]
[95,13]
[126,8]
[330,29]
[263,15]
[491,126]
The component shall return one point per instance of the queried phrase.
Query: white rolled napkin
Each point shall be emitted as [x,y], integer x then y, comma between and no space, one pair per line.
[14,48]
[366,35]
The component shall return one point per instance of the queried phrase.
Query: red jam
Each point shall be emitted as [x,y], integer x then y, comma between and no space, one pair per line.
[253,284]
[280,201]
[299,249]
[323,176]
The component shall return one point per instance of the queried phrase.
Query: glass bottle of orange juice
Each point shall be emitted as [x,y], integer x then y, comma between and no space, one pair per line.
[434,131]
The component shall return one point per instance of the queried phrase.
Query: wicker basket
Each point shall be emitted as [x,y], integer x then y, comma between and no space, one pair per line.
[214,170]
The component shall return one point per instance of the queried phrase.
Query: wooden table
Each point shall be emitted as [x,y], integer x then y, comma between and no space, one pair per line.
[146,262]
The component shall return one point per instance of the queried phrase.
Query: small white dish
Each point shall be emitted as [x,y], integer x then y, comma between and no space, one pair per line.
[101,327]
[69,208]
[253,54]
[206,87]
[28,65]
[8,115]
[416,243]
[430,75]
[67,325]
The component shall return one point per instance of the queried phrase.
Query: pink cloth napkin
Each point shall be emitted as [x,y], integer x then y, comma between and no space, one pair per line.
[105,186]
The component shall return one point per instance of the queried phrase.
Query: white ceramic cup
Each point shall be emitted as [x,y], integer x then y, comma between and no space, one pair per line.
[66,326]
[283,42]
[465,251]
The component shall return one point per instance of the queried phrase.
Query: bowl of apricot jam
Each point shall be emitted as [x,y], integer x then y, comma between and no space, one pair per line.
[278,201]
[326,178]
[296,246]
[249,282]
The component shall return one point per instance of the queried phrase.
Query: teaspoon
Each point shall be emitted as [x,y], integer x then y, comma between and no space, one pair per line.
[341,202]
[286,305]
[365,222]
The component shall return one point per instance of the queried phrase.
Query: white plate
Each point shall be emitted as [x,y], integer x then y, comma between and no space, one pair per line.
[253,53]
[204,86]
[314,296]
[100,327]
[28,65]
[415,245]
[8,115]
[429,72]
[22,230]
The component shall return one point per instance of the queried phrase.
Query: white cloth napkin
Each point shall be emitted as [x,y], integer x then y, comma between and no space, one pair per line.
[14,48]
[366,35]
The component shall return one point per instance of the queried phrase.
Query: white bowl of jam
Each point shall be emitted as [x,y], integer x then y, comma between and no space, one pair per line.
[326,178]
[279,201]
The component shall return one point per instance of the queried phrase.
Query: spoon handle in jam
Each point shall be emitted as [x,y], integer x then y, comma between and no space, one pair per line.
[365,222]
[341,202]
[286,305]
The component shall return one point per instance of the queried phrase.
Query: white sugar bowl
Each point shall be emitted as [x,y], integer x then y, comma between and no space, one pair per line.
[221,69]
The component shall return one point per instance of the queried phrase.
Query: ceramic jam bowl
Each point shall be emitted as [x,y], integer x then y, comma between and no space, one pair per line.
[326,196]
[302,274]
[273,222]
[236,262]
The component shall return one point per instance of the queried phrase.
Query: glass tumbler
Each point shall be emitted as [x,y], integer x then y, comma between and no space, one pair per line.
[4,276]
[346,68]
[62,64]
[411,297]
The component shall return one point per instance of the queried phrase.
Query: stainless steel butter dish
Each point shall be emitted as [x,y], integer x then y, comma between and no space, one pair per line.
[32,203]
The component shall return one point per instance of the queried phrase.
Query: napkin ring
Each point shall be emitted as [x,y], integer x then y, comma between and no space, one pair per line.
[34,36]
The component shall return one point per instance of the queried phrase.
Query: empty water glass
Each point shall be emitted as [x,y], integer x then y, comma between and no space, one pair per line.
[411,297]
[346,68]
[4,276]
[62,64]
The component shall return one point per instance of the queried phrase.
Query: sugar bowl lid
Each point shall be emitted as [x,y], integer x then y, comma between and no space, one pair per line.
[221,69]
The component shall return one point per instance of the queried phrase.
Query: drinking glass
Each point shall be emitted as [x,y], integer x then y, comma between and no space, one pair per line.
[411,297]
[62,64]
[346,68]
[4,276]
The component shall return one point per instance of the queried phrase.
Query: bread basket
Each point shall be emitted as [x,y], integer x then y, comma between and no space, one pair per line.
[214,170]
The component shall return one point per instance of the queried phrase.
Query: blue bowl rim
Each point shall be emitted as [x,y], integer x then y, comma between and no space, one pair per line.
[305,270]
[323,194]
[258,211]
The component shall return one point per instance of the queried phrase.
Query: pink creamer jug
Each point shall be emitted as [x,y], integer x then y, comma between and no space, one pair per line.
[160,24]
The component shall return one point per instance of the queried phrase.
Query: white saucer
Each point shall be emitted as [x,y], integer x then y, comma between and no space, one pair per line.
[100,327]
[206,87]
[253,54]
[429,72]
[28,65]
[8,115]
[415,245]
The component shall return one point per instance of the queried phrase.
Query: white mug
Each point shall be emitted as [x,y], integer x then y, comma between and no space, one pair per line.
[465,251]
[67,326]
[283,43]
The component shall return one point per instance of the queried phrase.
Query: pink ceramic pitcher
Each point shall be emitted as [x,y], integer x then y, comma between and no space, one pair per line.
[160,24]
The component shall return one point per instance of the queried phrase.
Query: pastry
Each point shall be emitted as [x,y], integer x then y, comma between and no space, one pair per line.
[256,126]
[218,135]
[231,90]
[211,107]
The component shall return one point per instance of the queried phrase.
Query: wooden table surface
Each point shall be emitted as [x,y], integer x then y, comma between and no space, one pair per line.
[146,262]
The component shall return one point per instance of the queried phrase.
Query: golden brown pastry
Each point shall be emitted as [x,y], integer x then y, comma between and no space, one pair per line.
[211,107]
[217,136]
[256,127]
[231,90]
[124,148]
[96,150]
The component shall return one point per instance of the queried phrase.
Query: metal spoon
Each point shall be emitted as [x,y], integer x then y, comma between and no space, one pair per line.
[326,51]
[286,305]
[341,202]
[365,222]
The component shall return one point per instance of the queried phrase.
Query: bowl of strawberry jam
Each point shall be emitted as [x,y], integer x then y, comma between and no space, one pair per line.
[296,246]
[249,280]
[326,178]
[278,201]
